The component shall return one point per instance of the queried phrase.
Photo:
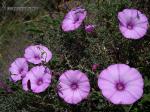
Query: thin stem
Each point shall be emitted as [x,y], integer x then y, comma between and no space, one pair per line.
[130,108]
[68,62]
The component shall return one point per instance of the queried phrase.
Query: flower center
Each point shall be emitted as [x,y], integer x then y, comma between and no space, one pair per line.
[21,70]
[130,25]
[120,86]
[76,19]
[74,86]
[39,82]
[37,57]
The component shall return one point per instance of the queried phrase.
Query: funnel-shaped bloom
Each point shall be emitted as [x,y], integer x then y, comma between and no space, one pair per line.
[73,86]
[37,79]
[133,24]
[121,84]
[73,19]
[18,69]
[37,54]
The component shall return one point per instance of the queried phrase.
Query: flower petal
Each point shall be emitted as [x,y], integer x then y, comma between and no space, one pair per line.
[131,75]
[111,73]
[123,97]
[135,87]
[16,77]
[107,87]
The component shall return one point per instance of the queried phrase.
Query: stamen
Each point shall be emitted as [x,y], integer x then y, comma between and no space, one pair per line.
[120,86]
[39,82]
[74,86]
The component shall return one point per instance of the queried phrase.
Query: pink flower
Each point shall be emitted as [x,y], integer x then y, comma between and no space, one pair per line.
[121,84]
[37,54]
[37,79]
[94,67]
[73,86]
[133,24]
[18,69]
[89,28]
[73,19]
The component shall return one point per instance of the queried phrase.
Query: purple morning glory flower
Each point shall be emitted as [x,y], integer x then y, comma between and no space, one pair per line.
[37,79]
[18,69]
[73,19]
[133,24]
[121,84]
[37,54]
[73,86]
